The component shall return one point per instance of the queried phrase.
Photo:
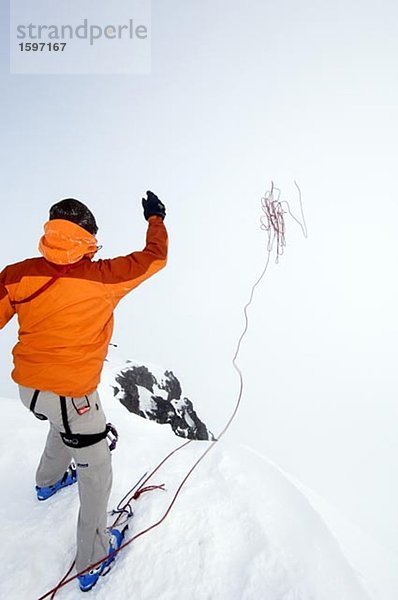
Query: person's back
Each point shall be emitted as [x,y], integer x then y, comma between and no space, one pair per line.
[64,301]
[65,331]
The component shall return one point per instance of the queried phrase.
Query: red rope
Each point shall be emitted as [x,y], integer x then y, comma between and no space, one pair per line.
[276,230]
[67,580]
[142,489]
[51,593]
[148,488]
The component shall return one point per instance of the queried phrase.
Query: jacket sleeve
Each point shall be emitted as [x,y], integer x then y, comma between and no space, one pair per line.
[6,309]
[125,273]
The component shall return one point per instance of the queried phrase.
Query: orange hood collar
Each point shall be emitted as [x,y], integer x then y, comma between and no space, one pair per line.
[65,243]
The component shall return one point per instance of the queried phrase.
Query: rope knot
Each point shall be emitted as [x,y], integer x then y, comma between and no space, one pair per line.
[148,488]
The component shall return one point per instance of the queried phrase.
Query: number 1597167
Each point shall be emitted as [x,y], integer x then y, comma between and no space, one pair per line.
[42,46]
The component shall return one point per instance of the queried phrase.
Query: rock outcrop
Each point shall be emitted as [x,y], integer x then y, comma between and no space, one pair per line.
[159,399]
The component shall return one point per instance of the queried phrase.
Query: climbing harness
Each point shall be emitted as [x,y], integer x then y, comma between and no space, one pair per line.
[112,436]
[82,440]
[77,440]
[32,406]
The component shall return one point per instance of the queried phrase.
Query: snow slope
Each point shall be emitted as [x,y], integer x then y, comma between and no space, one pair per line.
[376,565]
[240,530]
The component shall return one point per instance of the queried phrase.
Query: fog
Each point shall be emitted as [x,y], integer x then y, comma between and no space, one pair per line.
[240,94]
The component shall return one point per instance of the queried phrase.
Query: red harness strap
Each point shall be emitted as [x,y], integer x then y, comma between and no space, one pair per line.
[44,287]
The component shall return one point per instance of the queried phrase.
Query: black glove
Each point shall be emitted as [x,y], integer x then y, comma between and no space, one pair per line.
[153,206]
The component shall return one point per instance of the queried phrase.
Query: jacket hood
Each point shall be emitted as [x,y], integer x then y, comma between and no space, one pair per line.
[65,243]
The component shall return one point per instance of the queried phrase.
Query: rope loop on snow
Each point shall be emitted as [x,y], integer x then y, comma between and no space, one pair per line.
[148,488]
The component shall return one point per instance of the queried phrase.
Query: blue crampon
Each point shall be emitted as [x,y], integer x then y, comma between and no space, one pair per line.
[69,477]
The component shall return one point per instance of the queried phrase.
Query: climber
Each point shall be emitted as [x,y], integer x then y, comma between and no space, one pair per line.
[64,301]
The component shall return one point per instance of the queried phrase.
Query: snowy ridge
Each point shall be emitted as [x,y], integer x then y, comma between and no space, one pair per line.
[374,564]
[239,530]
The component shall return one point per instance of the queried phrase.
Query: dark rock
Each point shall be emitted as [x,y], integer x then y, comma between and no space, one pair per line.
[177,412]
[171,385]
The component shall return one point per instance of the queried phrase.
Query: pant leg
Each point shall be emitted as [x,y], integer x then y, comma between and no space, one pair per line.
[94,469]
[56,456]
[95,482]
[54,461]
[93,465]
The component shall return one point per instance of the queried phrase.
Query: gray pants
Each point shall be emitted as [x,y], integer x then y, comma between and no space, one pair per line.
[93,464]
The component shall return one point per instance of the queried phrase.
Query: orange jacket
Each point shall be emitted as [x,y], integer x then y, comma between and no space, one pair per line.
[64,331]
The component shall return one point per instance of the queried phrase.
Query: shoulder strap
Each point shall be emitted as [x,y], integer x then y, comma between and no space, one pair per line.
[44,287]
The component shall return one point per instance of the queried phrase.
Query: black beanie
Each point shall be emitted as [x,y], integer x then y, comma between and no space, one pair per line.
[75,211]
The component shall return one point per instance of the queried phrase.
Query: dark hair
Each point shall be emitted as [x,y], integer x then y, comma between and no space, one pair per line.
[75,211]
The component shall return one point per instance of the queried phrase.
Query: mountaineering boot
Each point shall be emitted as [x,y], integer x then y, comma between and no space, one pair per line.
[89,579]
[69,477]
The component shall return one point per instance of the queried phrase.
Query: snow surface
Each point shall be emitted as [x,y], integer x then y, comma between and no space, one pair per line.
[240,529]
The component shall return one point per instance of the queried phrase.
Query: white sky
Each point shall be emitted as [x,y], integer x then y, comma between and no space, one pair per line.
[239,94]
